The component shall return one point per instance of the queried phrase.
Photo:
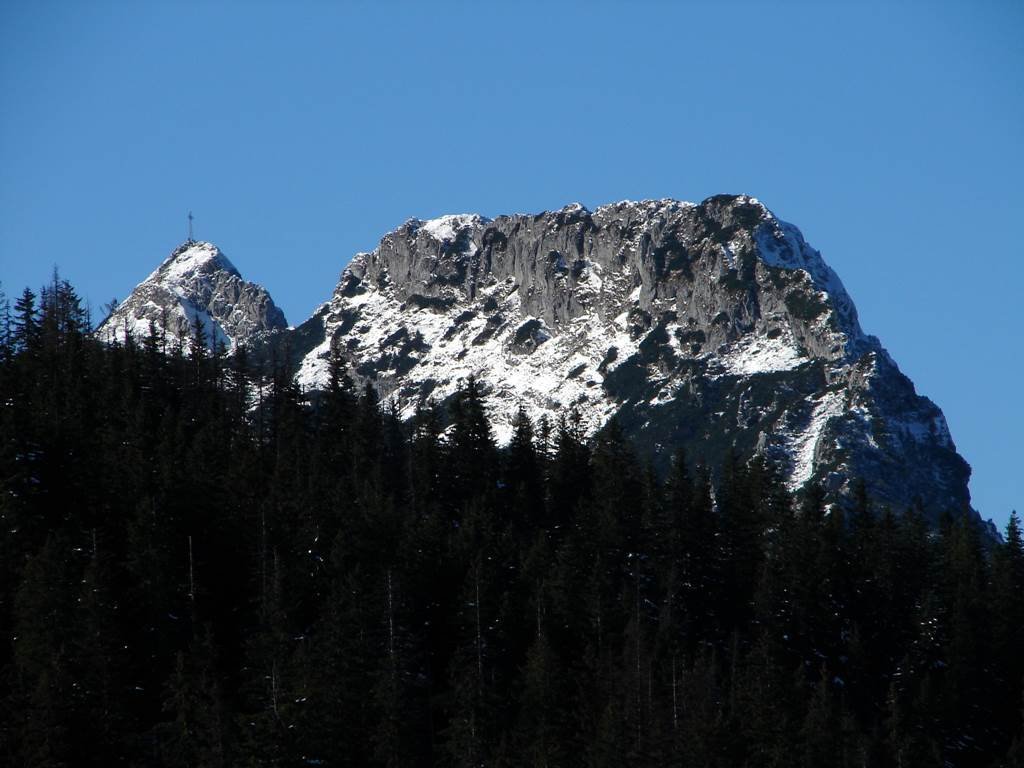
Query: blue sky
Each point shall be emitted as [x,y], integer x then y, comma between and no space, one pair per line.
[892,134]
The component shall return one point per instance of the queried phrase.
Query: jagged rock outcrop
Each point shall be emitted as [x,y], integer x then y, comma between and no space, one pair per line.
[196,282]
[712,327]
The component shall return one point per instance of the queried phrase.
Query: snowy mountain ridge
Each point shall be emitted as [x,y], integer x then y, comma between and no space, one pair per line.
[711,327]
[450,345]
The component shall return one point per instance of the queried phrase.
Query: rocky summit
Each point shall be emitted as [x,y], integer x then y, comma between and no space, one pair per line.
[710,327]
[196,284]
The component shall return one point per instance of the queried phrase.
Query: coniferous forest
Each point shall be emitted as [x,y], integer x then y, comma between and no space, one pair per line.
[203,566]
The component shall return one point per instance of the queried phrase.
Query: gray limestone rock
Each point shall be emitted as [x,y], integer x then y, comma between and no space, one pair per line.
[710,327]
[196,283]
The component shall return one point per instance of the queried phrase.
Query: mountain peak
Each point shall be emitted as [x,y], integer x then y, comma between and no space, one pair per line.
[196,283]
[711,327]
[190,258]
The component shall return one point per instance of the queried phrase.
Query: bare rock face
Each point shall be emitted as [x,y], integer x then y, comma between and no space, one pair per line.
[711,327]
[196,283]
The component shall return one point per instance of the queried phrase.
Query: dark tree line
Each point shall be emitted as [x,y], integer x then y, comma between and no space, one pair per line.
[202,566]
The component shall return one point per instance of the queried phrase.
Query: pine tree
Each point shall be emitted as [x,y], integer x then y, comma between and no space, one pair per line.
[6,329]
[569,473]
[45,739]
[966,684]
[472,457]
[96,665]
[1006,607]
[26,322]
[470,738]
[523,479]
[391,744]
[338,715]
[820,730]
[43,611]
[539,735]
[700,571]
[197,732]
[1015,754]
[740,553]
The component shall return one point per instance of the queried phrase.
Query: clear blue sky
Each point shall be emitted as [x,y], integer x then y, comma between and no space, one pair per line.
[299,133]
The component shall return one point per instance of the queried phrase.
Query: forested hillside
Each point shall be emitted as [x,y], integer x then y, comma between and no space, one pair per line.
[202,566]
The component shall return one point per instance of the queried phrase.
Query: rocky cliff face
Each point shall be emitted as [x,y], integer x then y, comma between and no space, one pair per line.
[196,282]
[709,327]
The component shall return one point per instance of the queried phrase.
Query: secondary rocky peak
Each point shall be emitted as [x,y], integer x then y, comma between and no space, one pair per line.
[197,283]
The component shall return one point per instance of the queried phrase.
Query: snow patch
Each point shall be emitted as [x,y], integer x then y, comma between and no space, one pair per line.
[448,227]
[313,371]
[804,444]
[759,354]
[181,266]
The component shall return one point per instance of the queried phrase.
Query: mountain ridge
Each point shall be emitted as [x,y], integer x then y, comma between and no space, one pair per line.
[710,327]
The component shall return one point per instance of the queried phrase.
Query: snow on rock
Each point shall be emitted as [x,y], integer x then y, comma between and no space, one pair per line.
[186,263]
[448,227]
[717,314]
[515,355]
[803,443]
[313,371]
[759,354]
[782,245]
[195,284]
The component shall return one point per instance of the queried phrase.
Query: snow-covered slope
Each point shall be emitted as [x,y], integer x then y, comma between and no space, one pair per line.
[196,283]
[710,327]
